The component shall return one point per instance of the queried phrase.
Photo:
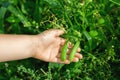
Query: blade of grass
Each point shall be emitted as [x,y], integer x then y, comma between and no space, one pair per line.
[116,2]
[37,11]
[69,20]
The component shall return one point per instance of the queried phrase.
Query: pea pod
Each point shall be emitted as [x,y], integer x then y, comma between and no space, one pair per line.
[72,54]
[64,51]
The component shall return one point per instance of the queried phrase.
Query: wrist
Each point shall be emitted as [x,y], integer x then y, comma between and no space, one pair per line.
[36,45]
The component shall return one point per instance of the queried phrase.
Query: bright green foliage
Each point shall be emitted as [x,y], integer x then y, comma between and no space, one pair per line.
[95,23]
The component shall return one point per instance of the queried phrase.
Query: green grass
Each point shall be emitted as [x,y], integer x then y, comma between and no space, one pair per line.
[96,23]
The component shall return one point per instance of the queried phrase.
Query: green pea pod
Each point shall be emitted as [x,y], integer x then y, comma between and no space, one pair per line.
[72,54]
[64,51]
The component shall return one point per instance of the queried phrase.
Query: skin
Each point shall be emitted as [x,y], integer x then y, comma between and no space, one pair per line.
[45,46]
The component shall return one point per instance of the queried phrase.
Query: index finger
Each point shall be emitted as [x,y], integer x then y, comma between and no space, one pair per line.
[58,32]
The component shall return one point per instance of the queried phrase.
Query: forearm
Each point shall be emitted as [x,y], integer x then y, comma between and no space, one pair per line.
[14,47]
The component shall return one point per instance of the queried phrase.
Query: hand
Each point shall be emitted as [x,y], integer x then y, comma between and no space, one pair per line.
[48,47]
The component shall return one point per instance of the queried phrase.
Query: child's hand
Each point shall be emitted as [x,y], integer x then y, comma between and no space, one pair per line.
[48,47]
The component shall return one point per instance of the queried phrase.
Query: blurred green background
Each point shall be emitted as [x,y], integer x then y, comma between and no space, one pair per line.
[96,23]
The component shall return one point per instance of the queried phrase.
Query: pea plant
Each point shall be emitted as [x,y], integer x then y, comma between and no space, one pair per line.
[92,25]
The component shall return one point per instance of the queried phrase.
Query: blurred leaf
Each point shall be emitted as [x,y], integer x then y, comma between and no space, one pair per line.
[2,14]
[116,2]
[89,38]
[20,16]
[12,19]
[23,9]
[53,3]
[101,21]
[56,66]
[93,33]
[1,31]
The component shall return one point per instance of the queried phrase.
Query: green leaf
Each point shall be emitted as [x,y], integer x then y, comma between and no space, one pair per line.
[89,38]
[116,2]
[1,31]
[93,33]
[2,14]
[20,16]
[53,3]
[101,21]
[55,65]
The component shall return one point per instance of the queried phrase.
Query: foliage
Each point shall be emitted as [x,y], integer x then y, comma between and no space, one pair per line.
[96,23]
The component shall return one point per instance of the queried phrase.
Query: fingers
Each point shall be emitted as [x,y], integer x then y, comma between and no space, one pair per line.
[67,61]
[69,50]
[75,59]
[78,55]
[79,49]
[61,40]
[70,46]
[56,32]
